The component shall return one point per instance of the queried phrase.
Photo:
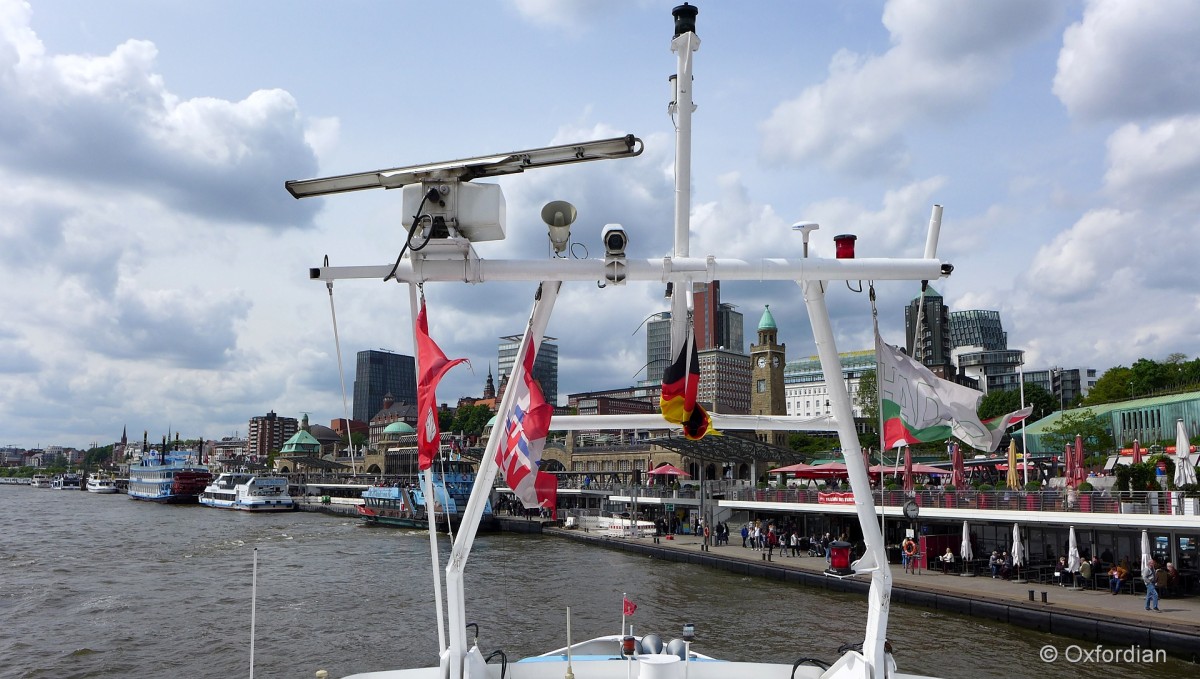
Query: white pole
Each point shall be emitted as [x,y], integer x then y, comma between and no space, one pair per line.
[1024,446]
[429,511]
[469,524]
[253,600]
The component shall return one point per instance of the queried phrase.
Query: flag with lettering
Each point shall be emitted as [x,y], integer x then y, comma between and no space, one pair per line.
[917,406]
[433,364]
[520,451]
[680,384]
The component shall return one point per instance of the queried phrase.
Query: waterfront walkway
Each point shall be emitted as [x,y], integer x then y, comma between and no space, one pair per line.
[1090,614]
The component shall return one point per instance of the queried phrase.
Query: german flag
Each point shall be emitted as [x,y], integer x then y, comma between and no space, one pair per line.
[681,382]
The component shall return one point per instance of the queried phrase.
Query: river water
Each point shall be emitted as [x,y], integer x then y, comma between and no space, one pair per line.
[103,586]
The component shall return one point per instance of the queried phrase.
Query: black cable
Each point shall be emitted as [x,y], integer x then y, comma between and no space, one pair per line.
[430,194]
[808,661]
[503,661]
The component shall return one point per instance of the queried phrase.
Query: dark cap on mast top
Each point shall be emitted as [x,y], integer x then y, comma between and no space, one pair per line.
[685,19]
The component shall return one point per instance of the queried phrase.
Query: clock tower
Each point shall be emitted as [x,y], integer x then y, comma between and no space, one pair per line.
[767,358]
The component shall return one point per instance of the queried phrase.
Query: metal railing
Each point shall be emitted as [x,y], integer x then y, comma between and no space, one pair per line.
[1088,502]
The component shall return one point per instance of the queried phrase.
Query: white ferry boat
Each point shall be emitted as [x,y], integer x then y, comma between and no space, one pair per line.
[40,481]
[101,485]
[248,492]
[66,482]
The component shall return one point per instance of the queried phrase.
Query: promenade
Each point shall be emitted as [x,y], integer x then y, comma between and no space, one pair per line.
[1088,614]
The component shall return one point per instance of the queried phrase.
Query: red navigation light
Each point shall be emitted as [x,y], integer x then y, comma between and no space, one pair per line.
[627,646]
[839,558]
[845,245]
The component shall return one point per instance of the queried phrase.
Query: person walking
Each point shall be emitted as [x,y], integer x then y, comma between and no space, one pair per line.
[1151,589]
[745,534]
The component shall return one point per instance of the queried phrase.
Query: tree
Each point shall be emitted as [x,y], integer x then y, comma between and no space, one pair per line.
[997,403]
[868,397]
[1083,423]
[469,420]
[1114,385]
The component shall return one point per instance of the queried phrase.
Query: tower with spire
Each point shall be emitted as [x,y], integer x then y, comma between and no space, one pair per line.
[767,359]
[489,388]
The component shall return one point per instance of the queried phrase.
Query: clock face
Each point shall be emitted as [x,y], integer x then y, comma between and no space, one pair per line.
[911,510]
[762,361]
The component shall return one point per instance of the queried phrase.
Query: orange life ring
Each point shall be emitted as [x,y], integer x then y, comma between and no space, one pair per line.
[910,548]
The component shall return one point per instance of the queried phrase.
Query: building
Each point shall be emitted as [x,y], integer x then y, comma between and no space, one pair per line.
[806,391]
[379,373]
[1147,420]
[717,325]
[1067,385]
[267,433]
[767,393]
[658,346]
[931,345]
[545,365]
[724,381]
[393,411]
[227,454]
[980,350]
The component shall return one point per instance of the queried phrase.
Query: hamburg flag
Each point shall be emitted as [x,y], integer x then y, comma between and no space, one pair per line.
[681,382]
[520,450]
[627,606]
[433,364]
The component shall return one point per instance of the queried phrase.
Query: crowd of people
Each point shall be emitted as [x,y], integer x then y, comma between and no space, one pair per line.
[789,540]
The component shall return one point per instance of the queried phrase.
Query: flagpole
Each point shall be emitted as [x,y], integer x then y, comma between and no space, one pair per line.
[1024,447]
[539,317]
[624,598]
[429,512]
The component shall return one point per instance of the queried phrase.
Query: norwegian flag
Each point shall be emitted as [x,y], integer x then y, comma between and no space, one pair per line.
[525,432]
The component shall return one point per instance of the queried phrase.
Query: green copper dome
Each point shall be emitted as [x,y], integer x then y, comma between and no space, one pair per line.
[399,428]
[768,321]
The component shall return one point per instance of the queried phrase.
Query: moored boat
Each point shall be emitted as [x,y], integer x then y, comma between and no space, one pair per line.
[66,481]
[248,492]
[405,505]
[40,481]
[101,484]
[173,478]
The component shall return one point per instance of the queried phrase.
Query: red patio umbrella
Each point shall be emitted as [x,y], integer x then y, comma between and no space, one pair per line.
[916,469]
[792,469]
[958,476]
[908,471]
[1077,472]
[828,470]
[667,470]
[1137,452]
[1069,461]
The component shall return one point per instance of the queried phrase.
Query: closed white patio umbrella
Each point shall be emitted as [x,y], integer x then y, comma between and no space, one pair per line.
[1073,560]
[1185,468]
[964,551]
[1018,553]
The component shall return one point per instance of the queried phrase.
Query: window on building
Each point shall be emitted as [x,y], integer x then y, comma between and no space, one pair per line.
[762,386]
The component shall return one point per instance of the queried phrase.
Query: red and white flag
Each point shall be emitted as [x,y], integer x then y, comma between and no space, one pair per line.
[525,429]
[433,364]
[627,606]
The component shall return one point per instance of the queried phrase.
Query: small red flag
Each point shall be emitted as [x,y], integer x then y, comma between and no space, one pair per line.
[433,364]
[628,607]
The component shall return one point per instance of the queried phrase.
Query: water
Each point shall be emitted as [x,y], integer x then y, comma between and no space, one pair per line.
[102,586]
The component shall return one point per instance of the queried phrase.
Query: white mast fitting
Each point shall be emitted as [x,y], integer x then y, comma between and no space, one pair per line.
[447,214]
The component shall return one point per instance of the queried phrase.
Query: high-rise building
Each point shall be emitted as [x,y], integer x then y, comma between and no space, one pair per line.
[930,344]
[658,345]
[724,381]
[977,328]
[717,324]
[379,373]
[545,365]
[267,433]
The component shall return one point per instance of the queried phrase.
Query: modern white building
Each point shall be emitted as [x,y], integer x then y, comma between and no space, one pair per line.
[806,391]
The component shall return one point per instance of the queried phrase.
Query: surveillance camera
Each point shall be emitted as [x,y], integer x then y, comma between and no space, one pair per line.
[614,239]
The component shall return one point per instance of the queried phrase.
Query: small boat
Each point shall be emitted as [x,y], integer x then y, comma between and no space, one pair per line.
[66,482]
[40,481]
[404,505]
[171,478]
[101,485]
[249,493]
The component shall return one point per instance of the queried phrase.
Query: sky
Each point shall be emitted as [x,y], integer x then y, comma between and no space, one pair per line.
[155,271]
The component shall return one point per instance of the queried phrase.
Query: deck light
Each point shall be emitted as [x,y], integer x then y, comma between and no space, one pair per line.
[628,646]
[839,558]
[845,245]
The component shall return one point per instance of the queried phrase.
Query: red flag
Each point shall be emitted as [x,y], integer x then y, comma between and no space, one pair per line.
[433,364]
[546,486]
[627,606]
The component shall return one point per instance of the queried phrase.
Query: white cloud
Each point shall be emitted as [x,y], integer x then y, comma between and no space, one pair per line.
[1131,60]
[1156,167]
[946,57]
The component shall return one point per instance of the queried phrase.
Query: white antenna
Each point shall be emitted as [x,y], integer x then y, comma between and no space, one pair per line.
[253,598]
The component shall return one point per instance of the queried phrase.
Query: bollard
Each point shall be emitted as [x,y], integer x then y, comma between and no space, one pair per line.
[1031,595]
[1043,597]
[764,556]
